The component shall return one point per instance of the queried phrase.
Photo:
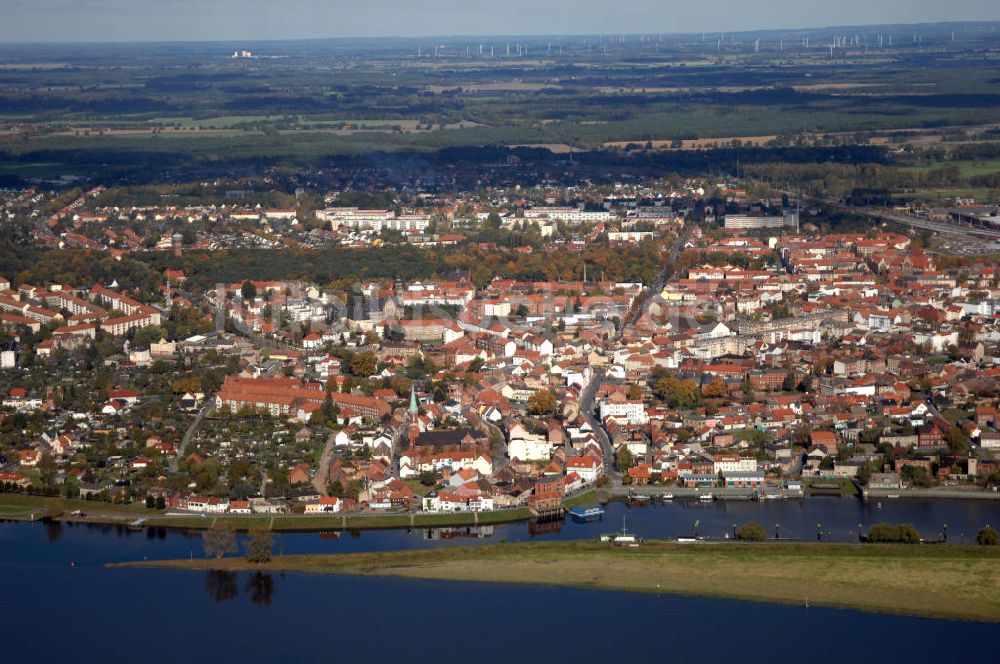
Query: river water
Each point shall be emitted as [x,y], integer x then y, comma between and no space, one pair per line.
[59,602]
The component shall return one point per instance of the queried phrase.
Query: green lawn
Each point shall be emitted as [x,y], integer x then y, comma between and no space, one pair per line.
[586,498]
[26,502]
[419,490]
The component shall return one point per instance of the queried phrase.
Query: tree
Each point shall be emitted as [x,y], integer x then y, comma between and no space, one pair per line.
[677,393]
[624,459]
[790,382]
[161,502]
[248,291]
[54,508]
[988,536]
[716,389]
[751,532]
[955,439]
[257,548]
[219,540]
[364,364]
[542,402]
[148,335]
[883,533]
[916,475]
[908,534]
[329,411]
[634,392]
[47,469]
[150,501]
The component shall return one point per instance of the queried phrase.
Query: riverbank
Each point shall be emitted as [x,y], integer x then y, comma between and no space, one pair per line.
[22,507]
[957,582]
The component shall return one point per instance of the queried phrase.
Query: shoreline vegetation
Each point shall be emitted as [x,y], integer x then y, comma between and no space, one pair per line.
[952,582]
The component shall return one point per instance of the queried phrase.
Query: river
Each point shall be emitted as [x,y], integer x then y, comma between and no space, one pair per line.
[60,603]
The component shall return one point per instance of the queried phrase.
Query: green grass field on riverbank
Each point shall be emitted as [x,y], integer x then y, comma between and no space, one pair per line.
[956,582]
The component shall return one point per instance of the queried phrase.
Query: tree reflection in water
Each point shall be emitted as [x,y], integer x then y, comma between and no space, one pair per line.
[221,586]
[53,529]
[261,588]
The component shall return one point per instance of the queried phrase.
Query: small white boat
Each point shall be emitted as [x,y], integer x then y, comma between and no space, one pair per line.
[624,538]
[707,497]
[667,496]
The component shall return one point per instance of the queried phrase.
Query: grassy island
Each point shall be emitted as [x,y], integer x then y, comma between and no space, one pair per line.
[957,582]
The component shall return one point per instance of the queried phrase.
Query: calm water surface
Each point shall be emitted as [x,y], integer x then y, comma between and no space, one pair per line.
[63,605]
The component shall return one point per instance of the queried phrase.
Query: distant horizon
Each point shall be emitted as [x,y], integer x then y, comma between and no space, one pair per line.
[498,36]
[225,21]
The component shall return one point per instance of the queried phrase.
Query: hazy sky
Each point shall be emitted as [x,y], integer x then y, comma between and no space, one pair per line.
[164,20]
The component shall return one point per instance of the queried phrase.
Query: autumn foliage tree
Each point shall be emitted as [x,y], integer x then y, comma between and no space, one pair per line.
[715,390]
[676,392]
[364,364]
[542,402]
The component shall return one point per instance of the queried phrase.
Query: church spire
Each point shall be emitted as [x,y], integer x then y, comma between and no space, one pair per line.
[413,401]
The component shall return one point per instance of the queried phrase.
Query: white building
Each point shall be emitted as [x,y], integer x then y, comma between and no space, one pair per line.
[633,411]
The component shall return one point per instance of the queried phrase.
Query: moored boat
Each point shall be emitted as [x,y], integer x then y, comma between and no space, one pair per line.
[588,514]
